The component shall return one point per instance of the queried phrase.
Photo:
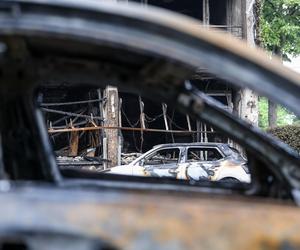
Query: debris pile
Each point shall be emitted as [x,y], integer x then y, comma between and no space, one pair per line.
[129,157]
[79,162]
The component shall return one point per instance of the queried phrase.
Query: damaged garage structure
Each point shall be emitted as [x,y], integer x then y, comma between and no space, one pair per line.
[112,126]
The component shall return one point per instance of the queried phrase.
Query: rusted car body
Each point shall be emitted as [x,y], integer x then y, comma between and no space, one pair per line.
[189,161]
[152,218]
[152,52]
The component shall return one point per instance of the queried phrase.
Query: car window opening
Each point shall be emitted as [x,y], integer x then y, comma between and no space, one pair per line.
[203,154]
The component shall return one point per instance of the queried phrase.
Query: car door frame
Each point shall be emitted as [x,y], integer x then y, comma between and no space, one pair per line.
[164,166]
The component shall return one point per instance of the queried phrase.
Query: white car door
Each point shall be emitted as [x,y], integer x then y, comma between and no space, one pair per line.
[201,162]
[162,163]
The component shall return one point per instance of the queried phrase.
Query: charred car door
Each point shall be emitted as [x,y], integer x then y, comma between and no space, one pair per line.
[201,162]
[162,163]
[216,164]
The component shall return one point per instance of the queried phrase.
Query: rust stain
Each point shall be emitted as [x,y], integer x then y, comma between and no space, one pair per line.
[192,223]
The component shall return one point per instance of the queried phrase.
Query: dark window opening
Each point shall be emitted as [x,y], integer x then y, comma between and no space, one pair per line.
[164,156]
[218,12]
[188,7]
[203,154]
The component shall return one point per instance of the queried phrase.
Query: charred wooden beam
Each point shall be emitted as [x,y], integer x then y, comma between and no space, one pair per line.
[74,141]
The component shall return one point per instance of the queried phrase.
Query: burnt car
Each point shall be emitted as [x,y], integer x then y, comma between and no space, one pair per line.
[151,52]
[191,161]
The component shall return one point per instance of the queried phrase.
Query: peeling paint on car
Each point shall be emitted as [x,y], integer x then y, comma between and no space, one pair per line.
[231,165]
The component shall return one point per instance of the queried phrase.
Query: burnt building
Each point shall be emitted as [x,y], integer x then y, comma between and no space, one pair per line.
[107,122]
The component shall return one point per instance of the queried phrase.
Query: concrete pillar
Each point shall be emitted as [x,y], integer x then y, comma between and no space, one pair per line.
[206,12]
[111,119]
[235,17]
[248,104]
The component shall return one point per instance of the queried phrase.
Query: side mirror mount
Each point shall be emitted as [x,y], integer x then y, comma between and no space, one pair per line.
[142,162]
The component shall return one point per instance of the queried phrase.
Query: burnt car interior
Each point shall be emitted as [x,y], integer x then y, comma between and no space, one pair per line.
[200,154]
[154,54]
[163,156]
[33,55]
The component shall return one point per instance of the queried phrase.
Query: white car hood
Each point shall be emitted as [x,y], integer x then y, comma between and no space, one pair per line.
[127,170]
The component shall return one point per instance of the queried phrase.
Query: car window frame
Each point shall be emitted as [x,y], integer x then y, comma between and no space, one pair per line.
[157,150]
[214,147]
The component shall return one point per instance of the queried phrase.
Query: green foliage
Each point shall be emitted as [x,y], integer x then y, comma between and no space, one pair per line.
[284,117]
[289,134]
[280,27]
[263,113]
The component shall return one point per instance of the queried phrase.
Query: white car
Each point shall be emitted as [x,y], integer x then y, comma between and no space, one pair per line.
[191,161]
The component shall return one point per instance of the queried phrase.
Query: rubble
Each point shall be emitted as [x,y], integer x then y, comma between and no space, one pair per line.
[126,158]
[79,162]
